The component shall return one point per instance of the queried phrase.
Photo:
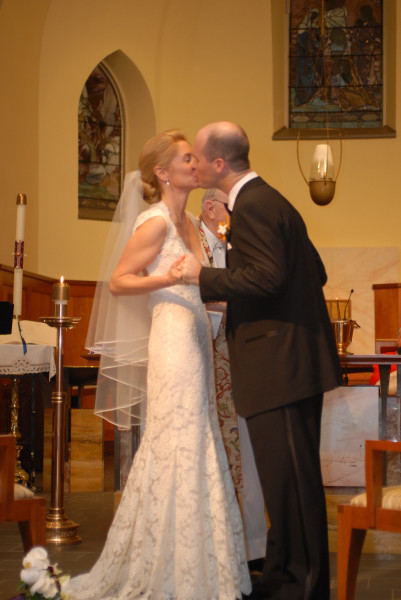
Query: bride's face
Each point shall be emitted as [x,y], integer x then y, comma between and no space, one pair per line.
[181,170]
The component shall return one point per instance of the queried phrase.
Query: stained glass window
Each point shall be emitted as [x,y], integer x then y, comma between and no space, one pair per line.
[99,147]
[336,64]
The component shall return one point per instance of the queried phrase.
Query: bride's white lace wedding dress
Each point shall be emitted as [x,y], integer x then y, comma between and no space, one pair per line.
[177,534]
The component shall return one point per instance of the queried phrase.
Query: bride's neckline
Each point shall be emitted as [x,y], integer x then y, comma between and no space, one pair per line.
[171,215]
[188,221]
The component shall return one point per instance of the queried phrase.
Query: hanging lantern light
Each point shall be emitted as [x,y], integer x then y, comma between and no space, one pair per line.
[322,179]
[322,184]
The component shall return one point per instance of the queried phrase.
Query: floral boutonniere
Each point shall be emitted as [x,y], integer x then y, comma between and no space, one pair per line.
[223,229]
[40,579]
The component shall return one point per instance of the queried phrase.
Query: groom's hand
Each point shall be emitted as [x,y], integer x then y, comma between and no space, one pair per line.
[190,269]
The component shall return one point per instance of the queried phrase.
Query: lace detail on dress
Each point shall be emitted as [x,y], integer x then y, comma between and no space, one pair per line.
[177,534]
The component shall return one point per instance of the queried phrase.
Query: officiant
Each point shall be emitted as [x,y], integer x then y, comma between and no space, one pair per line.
[213,223]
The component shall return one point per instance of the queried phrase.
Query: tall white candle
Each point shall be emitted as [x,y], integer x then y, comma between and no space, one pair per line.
[21,207]
[17,292]
[19,255]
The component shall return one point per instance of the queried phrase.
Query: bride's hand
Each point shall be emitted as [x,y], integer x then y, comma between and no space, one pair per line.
[191,268]
[175,271]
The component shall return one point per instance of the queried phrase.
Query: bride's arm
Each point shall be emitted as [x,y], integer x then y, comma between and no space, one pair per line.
[141,250]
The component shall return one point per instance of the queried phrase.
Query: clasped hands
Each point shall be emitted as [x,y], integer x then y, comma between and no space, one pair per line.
[186,269]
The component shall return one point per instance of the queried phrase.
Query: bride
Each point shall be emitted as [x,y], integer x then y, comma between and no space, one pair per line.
[177,533]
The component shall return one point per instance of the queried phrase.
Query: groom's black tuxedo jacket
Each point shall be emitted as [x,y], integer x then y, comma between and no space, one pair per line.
[280,339]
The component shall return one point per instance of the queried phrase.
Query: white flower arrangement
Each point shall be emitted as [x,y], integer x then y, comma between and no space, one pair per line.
[40,579]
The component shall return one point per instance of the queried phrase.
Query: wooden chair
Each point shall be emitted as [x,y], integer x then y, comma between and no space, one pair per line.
[29,511]
[379,508]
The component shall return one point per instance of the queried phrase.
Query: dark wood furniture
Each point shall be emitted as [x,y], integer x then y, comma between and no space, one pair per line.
[354,521]
[387,302]
[30,512]
[36,303]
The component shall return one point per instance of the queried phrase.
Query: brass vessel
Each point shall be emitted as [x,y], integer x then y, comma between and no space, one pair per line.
[343,331]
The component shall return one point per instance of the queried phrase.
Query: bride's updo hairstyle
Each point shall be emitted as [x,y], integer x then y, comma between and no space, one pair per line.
[157,152]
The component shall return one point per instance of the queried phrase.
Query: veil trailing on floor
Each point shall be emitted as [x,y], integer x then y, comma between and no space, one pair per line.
[119,325]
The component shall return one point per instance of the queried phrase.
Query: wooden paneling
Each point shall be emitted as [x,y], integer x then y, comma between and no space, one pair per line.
[36,292]
[36,303]
[84,465]
[80,305]
[87,468]
[387,310]
[6,293]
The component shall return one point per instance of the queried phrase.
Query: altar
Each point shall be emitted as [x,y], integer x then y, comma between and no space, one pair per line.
[38,359]
[26,353]
[353,414]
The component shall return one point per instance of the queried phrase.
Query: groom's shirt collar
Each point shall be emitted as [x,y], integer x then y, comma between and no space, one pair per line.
[232,196]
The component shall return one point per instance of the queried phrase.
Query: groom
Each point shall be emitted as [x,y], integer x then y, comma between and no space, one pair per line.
[283,357]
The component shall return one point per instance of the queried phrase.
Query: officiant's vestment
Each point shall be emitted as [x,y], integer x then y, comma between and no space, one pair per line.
[283,357]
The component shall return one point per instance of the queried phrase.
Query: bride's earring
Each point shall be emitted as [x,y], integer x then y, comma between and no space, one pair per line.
[167,181]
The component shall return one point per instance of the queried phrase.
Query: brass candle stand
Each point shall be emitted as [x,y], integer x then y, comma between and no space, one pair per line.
[59,529]
[21,476]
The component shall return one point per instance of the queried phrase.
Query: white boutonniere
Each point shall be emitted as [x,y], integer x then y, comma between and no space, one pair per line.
[223,229]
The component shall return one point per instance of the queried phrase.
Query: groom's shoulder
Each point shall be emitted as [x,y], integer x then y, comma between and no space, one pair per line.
[258,190]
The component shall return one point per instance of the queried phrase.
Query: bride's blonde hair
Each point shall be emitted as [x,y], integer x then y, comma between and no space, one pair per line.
[158,151]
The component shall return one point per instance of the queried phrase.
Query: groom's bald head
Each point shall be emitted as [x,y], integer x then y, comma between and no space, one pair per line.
[225,140]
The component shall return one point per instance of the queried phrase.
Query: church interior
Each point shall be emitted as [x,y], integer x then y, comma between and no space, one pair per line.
[179,64]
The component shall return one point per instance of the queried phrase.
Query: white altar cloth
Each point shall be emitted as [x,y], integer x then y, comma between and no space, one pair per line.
[38,359]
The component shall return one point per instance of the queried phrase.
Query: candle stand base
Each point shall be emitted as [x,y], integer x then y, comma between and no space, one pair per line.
[60,530]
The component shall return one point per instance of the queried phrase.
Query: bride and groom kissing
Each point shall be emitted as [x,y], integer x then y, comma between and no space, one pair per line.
[177,533]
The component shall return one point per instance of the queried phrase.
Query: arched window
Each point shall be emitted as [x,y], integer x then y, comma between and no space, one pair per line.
[99,146]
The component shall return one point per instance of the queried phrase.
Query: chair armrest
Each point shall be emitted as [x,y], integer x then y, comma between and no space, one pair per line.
[7,472]
[374,466]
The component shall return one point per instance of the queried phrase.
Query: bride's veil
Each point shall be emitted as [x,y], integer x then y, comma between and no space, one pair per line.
[119,325]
